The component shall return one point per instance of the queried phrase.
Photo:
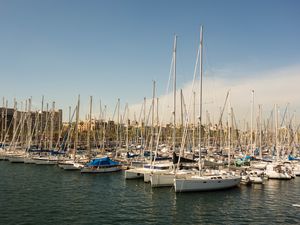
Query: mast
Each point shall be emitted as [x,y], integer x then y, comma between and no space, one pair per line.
[143,129]
[230,126]
[59,127]
[41,128]
[36,128]
[251,121]
[104,128]
[276,132]
[157,117]
[5,121]
[100,124]
[2,121]
[29,124]
[51,126]
[76,127]
[15,117]
[152,122]
[200,91]
[118,123]
[127,127]
[89,128]
[46,125]
[294,130]
[174,93]
[181,108]
[21,123]
[208,129]
[194,120]
[260,131]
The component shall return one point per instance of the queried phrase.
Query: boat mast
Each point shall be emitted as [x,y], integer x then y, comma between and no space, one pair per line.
[194,121]
[100,125]
[89,129]
[181,109]
[276,131]
[15,117]
[157,117]
[5,122]
[174,93]
[127,127]
[29,124]
[251,121]
[104,128]
[76,127]
[21,124]
[294,130]
[260,131]
[143,128]
[118,124]
[41,127]
[52,126]
[2,121]
[200,99]
[46,126]
[152,122]
[229,125]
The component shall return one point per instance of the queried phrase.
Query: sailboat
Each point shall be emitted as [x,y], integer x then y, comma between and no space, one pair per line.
[73,164]
[199,182]
[146,170]
[276,170]
[101,165]
[98,165]
[17,154]
[164,178]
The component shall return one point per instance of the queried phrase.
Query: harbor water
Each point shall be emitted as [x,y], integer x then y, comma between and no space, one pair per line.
[32,194]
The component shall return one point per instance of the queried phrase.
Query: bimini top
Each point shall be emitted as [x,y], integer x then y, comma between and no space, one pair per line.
[105,161]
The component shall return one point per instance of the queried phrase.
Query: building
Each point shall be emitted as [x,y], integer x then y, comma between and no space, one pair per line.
[37,123]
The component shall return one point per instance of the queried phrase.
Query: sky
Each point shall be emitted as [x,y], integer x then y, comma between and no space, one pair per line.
[112,49]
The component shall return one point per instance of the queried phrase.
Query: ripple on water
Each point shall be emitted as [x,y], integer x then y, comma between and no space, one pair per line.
[31,194]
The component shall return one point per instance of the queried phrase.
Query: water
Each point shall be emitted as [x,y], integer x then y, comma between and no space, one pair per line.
[32,194]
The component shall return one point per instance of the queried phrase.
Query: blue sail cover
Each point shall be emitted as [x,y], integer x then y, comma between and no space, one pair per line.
[105,161]
[293,158]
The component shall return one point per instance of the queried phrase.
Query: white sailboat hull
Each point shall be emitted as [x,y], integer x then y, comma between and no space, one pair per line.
[147,178]
[45,162]
[70,166]
[297,173]
[197,183]
[162,179]
[16,159]
[144,172]
[29,161]
[277,175]
[256,180]
[165,179]
[148,172]
[136,173]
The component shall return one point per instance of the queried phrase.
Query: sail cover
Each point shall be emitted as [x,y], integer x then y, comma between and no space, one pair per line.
[105,161]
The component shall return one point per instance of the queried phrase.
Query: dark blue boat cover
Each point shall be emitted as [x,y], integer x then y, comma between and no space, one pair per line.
[105,161]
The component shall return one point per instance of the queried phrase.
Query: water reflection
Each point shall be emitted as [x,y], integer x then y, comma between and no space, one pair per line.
[31,194]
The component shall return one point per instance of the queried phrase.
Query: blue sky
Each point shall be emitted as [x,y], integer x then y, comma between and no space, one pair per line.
[114,49]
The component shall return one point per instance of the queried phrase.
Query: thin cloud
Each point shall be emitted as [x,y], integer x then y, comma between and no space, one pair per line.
[279,86]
